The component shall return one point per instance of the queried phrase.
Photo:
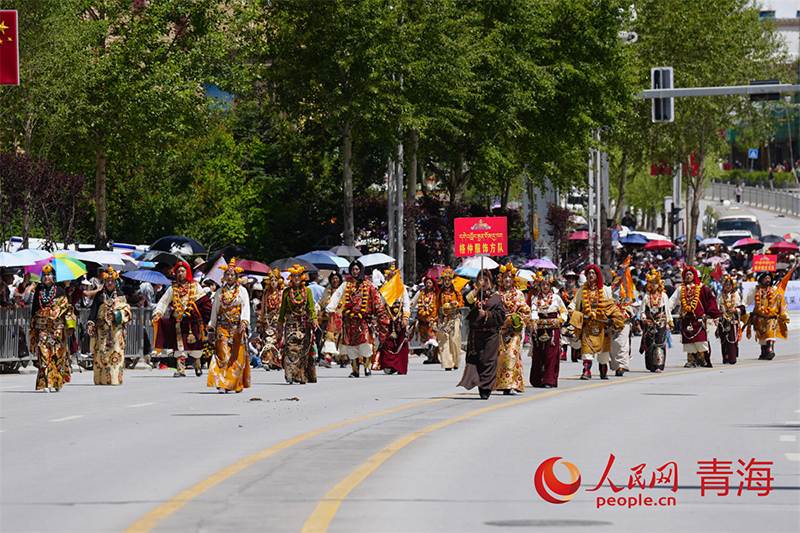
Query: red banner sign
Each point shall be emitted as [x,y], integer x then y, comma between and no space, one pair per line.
[765,263]
[479,236]
[9,48]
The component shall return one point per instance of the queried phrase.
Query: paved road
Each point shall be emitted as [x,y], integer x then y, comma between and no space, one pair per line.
[771,223]
[396,453]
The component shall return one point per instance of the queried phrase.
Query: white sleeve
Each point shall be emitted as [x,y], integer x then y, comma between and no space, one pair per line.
[406,303]
[333,303]
[245,300]
[562,310]
[535,309]
[573,305]
[674,300]
[215,309]
[164,302]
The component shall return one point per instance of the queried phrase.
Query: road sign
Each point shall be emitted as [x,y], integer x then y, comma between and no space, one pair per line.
[752,153]
[485,235]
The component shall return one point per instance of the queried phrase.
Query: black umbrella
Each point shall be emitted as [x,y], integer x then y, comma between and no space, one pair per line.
[771,238]
[178,244]
[157,256]
[347,251]
[288,262]
[228,252]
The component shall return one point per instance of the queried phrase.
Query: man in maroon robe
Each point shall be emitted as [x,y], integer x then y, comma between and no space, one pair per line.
[697,304]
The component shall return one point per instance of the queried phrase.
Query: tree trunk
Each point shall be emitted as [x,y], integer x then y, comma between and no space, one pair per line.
[457,181]
[26,205]
[411,199]
[347,185]
[694,216]
[623,182]
[101,208]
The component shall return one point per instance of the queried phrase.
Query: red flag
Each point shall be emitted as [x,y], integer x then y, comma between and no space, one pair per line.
[717,272]
[9,48]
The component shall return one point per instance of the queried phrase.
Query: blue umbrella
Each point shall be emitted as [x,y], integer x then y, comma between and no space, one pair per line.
[323,260]
[467,272]
[683,237]
[633,238]
[150,276]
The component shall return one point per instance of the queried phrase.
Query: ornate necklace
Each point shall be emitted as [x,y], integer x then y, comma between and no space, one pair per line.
[298,297]
[569,296]
[425,304]
[350,307]
[182,296]
[591,298]
[47,296]
[764,298]
[654,299]
[544,303]
[689,302]
[229,295]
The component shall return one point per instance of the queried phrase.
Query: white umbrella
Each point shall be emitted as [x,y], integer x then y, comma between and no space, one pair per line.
[711,241]
[480,262]
[525,274]
[36,255]
[10,260]
[650,236]
[375,259]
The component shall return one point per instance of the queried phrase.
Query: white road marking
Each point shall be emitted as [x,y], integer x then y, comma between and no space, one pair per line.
[792,423]
[793,456]
[67,418]
[788,438]
[141,404]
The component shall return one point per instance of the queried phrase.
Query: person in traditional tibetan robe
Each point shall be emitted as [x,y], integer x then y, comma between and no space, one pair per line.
[52,322]
[230,317]
[769,316]
[393,331]
[697,305]
[729,329]
[510,376]
[486,316]
[656,318]
[548,313]
[184,330]
[360,304]
[621,339]
[332,323]
[596,311]
[426,304]
[268,320]
[106,328]
[568,339]
[448,333]
[296,324]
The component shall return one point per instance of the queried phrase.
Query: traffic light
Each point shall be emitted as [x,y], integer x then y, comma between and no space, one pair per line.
[673,216]
[662,108]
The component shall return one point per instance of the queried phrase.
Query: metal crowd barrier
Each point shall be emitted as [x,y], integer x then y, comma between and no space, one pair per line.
[14,324]
[771,200]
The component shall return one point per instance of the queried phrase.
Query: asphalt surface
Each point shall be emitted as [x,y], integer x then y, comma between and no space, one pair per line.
[93,458]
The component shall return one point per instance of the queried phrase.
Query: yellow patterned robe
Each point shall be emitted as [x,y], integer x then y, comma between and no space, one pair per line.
[48,336]
[509,365]
[769,316]
[230,367]
[109,315]
[270,306]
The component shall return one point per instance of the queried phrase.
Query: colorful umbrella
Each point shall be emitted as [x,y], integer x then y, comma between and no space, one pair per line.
[658,244]
[66,268]
[783,246]
[792,236]
[435,272]
[579,236]
[253,267]
[541,263]
[748,242]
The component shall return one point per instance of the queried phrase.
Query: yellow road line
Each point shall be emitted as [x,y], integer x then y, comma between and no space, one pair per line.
[151,519]
[326,509]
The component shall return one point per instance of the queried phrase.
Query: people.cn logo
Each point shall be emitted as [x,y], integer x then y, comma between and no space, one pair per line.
[550,488]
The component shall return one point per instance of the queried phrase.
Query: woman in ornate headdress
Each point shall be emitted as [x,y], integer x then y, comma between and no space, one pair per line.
[268,320]
[697,304]
[597,311]
[426,304]
[769,315]
[548,313]
[448,334]
[360,304]
[510,377]
[655,318]
[393,352]
[296,324]
[568,338]
[107,318]
[52,320]
[729,330]
[331,322]
[230,317]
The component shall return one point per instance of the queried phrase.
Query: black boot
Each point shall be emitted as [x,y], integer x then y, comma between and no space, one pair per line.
[770,351]
[587,370]
[603,370]
[354,366]
[763,355]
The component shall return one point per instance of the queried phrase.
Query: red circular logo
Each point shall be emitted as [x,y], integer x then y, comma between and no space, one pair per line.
[550,488]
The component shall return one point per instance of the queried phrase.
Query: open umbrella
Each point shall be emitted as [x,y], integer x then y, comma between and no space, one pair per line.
[326,260]
[253,267]
[350,252]
[633,238]
[10,260]
[156,256]
[681,238]
[375,259]
[771,238]
[435,272]
[792,236]
[227,252]
[713,260]
[579,236]
[66,268]
[467,271]
[150,276]
[541,263]
[658,244]
[480,262]
[288,262]
[711,241]
[178,244]
[36,255]
[748,243]
[525,274]
[783,246]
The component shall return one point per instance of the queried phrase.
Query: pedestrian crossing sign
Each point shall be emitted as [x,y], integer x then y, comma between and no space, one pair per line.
[752,153]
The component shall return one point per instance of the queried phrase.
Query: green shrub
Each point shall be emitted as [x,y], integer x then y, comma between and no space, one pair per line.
[783,180]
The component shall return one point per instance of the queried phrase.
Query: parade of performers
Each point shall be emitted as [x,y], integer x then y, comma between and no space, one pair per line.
[510,376]
[426,304]
[106,328]
[229,369]
[52,323]
[769,317]
[697,305]
[360,304]
[189,309]
[548,313]
[486,316]
[268,320]
[392,355]
[296,324]
[656,319]
[448,334]
[729,329]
